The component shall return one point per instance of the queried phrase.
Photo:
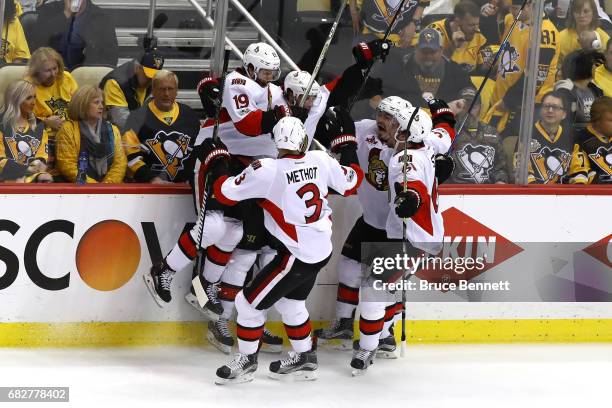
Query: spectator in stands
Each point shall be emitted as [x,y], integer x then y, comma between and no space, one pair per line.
[424,74]
[82,35]
[89,148]
[13,45]
[54,89]
[603,73]
[578,88]
[127,86]
[492,16]
[583,30]
[374,16]
[461,40]
[22,137]
[478,152]
[159,136]
[592,154]
[551,142]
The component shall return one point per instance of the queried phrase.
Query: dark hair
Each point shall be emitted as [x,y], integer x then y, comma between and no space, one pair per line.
[466,7]
[579,64]
[602,105]
[554,94]
[10,11]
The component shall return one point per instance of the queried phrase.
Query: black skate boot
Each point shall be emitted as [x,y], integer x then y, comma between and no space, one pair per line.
[241,369]
[213,308]
[362,359]
[297,366]
[271,343]
[158,281]
[340,333]
[219,335]
[387,346]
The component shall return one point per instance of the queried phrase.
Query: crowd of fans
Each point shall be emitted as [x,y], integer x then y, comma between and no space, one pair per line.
[131,128]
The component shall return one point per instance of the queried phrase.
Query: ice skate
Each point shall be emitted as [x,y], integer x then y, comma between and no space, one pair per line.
[386,347]
[219,335]
[339,334]
[158,281]
[271,343]
[296,367]
[362,359]
[213,308]
[240,370]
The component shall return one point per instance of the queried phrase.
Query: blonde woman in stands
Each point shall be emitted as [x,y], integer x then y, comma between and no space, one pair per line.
[54,90]
[14,46]
[89,148]
[23,138]
[583,29]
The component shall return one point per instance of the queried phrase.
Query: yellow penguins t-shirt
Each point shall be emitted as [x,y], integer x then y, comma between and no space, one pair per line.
[113,95]
[53,100]
[569,41]
[14,43]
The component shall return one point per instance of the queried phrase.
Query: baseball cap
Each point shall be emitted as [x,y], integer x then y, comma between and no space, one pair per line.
[152,61]
[429,38]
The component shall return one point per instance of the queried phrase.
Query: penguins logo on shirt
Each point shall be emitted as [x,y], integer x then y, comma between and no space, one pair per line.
[171,149]
[22,147]
[388,8]
[59,107]
[508,63]
[377,174]
[477,160]
[551,165]
[603,158]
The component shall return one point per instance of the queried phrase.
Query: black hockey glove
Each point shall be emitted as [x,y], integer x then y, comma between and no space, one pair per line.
[208,90]
[444,167]
[300,113]
[366,53]
[215,158]
[271,117]
[337,122]
[407,202]
[441,113]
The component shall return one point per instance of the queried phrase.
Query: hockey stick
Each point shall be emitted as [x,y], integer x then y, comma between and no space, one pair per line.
[197,285]
[404,238]
[317,67]
[366,75]
[487,76]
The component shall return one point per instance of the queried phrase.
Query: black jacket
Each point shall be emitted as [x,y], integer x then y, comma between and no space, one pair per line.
[127,81]
[96,30]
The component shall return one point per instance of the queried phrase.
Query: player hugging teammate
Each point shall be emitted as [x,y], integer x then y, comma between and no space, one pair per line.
[269,203]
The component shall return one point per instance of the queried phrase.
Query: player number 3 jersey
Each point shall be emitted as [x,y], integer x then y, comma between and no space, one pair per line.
[294,192]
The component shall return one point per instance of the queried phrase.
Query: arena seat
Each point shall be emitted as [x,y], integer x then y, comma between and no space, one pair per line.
[90,75]
[9,74]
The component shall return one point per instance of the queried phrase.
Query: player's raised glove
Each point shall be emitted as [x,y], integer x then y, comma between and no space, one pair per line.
[407,202]
[366,53]
[300,113]
[441,112]
[270,118]
[208,89]
[444,167]
[214,158]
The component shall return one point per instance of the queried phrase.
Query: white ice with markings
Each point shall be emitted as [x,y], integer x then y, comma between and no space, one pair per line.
[429,376]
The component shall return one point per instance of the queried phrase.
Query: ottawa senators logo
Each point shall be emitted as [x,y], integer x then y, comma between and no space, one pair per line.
[171,149]
[477,161]
[550,165]
[603,158]
[377,174]
[59,107]
[22,147]
[508,63]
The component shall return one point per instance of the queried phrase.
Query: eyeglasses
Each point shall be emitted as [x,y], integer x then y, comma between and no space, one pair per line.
[552,107]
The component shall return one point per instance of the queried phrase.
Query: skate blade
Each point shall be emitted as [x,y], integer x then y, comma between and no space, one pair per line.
[149,283]
[356,372]
[193,301]
[225,349]
[387,355]
[210,316]
[232,381]
[271,348]
[336,344]
[300,375]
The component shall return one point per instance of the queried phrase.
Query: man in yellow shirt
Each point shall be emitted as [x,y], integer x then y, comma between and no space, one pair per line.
[127,86]
[603,73]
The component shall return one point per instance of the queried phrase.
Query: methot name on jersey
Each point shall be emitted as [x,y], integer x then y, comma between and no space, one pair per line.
[300,175]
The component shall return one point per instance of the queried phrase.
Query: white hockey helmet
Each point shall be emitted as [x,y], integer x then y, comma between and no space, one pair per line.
[261,56]
[290,134]
[402,111]
[298,81]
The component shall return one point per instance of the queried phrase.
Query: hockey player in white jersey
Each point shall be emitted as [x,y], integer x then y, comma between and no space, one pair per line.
[413,182]
[292,190]
[251,106]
